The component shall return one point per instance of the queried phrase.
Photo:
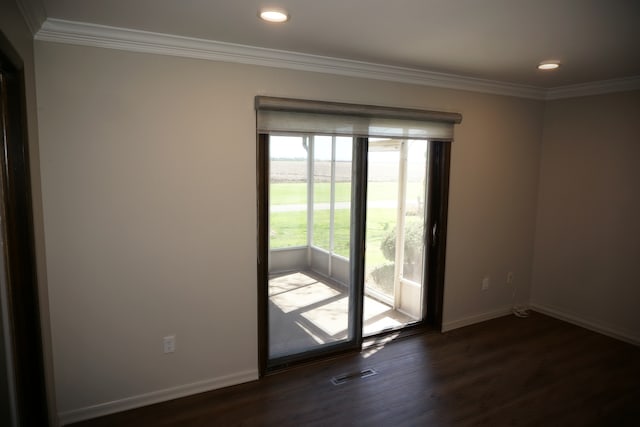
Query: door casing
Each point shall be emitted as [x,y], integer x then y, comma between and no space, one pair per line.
[25,342]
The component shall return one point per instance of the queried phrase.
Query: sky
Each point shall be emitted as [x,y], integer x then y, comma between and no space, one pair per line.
[291,147]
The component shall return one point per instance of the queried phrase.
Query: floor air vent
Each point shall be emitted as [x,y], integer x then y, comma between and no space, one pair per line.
[341,379]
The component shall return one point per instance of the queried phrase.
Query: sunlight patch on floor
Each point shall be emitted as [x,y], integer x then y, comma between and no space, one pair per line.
[306,313]
[289,282]
[331,318]
[303,296]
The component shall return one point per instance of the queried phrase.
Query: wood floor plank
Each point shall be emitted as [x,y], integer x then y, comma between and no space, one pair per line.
[503,372]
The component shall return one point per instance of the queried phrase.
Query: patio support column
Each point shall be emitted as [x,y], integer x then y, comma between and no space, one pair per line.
[332,203]
[310,195]
[400,237]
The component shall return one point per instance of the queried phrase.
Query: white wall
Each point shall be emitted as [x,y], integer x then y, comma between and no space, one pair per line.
[495,163]
[148,169]
[588,228]
[14,27]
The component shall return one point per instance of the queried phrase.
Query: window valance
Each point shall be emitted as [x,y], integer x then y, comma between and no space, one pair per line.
[297,116]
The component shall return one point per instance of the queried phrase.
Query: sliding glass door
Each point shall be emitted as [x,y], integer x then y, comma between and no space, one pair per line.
[395,234]
[325,292]
[310,288]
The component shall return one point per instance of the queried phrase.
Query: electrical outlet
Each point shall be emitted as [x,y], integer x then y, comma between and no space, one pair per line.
[169,343]
[485,283]
[510,278]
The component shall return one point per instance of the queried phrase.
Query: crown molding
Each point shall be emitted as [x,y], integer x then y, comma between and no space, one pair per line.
[79,33]
[594,88]
[33,13]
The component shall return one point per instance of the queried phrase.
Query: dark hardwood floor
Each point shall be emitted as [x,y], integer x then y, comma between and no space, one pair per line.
[509,371]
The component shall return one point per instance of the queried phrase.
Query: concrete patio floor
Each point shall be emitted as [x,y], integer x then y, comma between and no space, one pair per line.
[307,311]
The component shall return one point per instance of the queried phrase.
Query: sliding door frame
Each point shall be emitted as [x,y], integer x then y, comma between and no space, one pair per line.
[434,253]
[436,232]
[262,200]
[358,233]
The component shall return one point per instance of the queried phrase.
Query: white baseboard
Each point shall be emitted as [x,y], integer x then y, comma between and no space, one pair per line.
[476,318]
[158,396]
[587,324]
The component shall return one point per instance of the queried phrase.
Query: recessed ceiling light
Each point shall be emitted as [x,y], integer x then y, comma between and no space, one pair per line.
[274,15]
[549,65]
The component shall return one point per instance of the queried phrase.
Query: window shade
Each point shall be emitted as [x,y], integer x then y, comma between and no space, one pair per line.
[295,116]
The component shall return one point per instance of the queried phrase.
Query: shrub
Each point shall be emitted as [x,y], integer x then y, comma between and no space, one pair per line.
[413,239]
[383,278]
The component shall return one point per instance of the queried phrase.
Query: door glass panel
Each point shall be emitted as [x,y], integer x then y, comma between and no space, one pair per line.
[288,193]
[397,171]
[413,268]
[382,203]
[309,267]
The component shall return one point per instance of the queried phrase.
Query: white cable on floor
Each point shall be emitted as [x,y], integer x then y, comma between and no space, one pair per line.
[519,310]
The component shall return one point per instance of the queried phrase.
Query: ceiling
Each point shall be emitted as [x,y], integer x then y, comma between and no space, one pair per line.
[498,40]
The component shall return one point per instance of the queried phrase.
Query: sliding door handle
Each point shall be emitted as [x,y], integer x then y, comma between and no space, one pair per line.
[434,231]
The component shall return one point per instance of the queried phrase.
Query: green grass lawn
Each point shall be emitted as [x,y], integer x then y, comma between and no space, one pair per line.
[289,229]
[295,193]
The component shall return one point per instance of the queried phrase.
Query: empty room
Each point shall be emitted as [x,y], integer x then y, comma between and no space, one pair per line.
[347,213]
